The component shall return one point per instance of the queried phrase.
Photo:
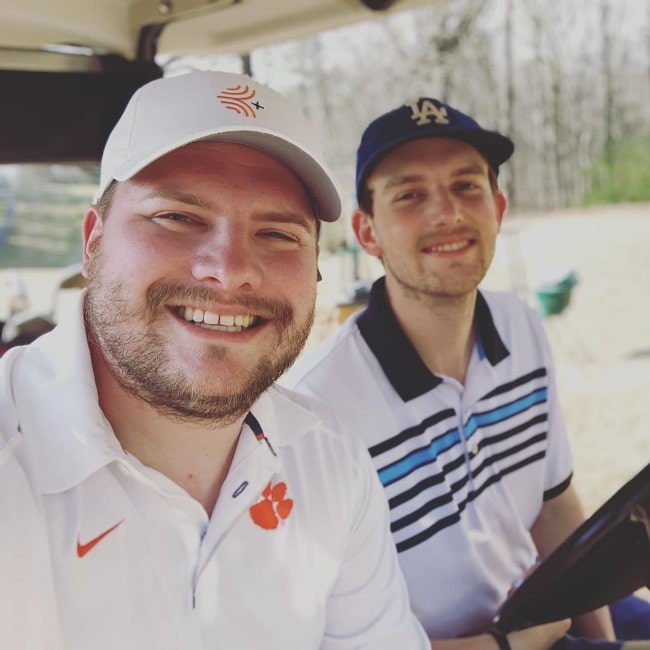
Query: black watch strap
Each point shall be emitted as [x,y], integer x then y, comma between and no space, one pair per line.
[501,639]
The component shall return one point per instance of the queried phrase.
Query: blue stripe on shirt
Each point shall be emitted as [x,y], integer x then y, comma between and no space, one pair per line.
[426,455]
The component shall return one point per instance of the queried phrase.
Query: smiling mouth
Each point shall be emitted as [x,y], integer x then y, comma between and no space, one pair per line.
[450,247]
[218,322]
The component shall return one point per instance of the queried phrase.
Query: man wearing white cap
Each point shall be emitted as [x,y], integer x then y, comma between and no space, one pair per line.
[157,490]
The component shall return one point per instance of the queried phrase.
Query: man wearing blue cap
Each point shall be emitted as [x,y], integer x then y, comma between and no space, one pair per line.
[451,388]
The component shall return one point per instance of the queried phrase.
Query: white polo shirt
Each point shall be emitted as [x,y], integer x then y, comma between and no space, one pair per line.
[99,552]
[465,469]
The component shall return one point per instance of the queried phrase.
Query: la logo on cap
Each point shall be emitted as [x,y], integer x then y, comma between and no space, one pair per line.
[425,111]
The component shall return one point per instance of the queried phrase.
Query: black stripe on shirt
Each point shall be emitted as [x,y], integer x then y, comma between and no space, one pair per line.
[454,518]
[558,489]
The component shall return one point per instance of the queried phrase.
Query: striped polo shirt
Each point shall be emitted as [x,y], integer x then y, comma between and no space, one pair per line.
[465,468]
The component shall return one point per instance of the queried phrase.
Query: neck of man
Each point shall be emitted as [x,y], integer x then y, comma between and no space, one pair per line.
[440,328]
[195,456]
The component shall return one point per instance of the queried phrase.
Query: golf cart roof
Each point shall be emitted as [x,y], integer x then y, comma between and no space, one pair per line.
[68,68]
[134,29]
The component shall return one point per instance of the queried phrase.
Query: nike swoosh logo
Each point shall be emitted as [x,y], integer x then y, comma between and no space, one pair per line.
[82,549]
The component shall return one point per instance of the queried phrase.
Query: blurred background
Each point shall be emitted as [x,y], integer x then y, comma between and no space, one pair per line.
[567,80]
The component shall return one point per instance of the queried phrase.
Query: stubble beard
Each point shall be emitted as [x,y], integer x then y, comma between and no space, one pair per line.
[431,288]
[137,356]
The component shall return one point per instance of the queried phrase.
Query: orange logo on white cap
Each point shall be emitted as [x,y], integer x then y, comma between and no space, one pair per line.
[238,99]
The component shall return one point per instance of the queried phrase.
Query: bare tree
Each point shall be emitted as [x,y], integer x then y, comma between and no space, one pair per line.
[607,72]
[511,185]
[565,80]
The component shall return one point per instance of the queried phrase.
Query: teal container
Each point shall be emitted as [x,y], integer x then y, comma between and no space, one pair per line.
[554,298]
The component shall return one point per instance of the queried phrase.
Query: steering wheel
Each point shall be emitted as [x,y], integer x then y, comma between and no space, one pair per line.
[606,558]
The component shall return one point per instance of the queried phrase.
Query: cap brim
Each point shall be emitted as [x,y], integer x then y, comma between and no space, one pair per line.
[494,147]
[318,181]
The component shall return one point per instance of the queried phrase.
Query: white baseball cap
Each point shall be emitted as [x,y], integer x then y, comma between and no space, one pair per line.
[171,112]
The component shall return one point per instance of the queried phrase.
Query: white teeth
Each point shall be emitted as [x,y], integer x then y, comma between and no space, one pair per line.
[226,322]
[210,318]
[448,248]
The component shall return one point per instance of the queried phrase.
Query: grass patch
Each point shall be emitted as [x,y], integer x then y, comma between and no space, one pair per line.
[623,178]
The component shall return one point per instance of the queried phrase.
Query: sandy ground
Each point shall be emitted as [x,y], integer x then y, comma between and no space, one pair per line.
[601,341]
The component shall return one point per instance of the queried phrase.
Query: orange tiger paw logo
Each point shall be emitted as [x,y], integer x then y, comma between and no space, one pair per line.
[273,508]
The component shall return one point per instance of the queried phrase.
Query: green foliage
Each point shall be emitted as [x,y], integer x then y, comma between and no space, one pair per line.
[623,176]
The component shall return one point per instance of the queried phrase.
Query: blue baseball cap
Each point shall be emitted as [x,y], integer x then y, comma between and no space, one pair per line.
[424,118]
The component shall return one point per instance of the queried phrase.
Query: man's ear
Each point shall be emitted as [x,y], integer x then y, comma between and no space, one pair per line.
[91,232]
[319,277]
[364,229]
[501,203]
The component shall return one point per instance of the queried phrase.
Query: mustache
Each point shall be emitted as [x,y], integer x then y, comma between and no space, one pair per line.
[464,232]
[160,294]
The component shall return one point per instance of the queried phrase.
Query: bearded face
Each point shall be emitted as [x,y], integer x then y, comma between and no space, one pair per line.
[201,280]
[144,359]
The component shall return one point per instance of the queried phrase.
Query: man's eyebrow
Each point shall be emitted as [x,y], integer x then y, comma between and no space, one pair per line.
[177,195]
[197,201]
[474,168]
[288,217]
[400,179]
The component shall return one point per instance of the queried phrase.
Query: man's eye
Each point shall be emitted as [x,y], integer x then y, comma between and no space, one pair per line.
[276,234]
[172,216]
[175,221]
[406,196]
[466,185]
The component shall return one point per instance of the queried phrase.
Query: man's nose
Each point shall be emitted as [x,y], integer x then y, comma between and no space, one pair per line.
[226,258]
[441,208]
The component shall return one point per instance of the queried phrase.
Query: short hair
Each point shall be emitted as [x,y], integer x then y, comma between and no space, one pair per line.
[104,203]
